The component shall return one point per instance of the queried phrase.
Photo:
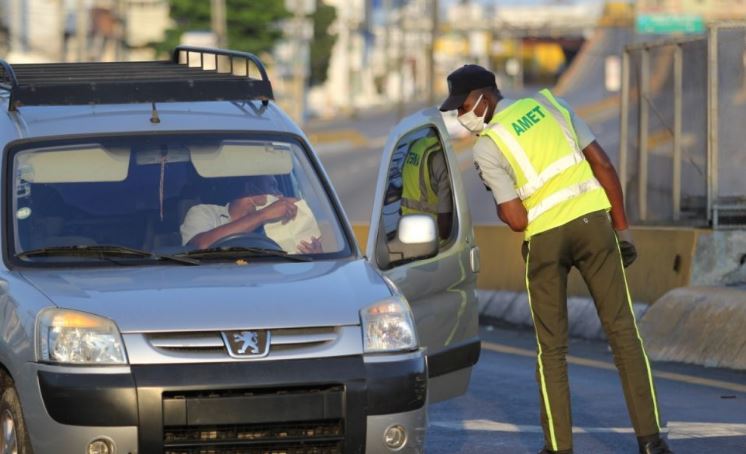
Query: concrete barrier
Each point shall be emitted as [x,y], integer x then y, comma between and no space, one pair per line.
[666,260]
[698,325]
[513,308]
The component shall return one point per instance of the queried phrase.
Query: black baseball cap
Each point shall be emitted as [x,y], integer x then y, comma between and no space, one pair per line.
[462,81]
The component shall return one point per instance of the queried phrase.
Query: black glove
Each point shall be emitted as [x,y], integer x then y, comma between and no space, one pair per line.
[629,253]
[626,247]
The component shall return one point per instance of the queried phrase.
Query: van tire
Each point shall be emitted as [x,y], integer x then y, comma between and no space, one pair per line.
[10,407]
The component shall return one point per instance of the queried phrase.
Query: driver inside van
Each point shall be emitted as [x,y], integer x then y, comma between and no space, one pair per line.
[260,204]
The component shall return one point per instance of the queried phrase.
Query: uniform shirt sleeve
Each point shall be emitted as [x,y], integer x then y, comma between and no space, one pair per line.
[494,170]
[441,181]
[583,131]
[201,218]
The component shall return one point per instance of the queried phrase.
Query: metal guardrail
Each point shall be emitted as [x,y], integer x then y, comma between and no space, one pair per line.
[640,92]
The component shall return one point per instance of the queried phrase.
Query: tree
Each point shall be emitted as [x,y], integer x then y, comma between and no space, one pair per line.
[252,24]
[322,43]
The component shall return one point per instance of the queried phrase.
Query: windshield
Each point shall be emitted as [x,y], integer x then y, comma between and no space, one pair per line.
[176,195]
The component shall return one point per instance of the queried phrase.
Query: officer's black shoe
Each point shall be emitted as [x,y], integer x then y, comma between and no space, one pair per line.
[655,446]
[549,451]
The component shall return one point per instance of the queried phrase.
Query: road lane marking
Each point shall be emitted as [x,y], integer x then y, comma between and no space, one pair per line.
[676,430]
[684,430]
[689,379]
[486,425]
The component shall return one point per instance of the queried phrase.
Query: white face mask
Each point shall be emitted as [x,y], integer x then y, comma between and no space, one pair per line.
[471,121]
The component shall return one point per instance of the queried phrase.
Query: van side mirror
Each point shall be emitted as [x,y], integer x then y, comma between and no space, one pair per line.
[416,239]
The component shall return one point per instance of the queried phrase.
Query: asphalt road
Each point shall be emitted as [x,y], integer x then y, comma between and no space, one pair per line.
[500,412]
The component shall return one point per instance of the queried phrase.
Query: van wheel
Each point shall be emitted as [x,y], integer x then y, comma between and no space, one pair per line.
[13,436]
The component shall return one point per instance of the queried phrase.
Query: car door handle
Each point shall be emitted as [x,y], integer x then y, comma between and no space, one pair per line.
[474,259]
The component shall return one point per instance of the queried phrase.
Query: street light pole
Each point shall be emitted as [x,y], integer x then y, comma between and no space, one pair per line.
[219,25]
[62,23]
[299,70]
[81,30]
[386,45]
[431,52]
[402,46]
[121,14]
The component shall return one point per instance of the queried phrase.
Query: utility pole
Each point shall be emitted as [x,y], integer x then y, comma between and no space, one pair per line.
[402,46]
[18,26]
[62,24]
[299,31]
[431,52]
[219,22]
[299,69]
[350,25]
[386,44]
[81,29]
[121,33]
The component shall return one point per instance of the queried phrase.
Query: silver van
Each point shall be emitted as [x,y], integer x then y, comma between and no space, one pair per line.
[178,275]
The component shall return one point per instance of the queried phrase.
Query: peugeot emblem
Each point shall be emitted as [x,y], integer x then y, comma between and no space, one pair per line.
[247,343]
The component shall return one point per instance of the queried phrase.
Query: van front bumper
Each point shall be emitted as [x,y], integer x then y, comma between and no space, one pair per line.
[338,404]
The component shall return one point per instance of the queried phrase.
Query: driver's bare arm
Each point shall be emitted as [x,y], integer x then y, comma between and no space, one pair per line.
[282,210]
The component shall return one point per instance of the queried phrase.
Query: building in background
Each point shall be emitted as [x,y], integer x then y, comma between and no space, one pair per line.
[87,30]
[349,83]
[145,23]
[383,50]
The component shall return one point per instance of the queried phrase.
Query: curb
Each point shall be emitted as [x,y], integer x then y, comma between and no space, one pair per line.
[698,325]
[513,308]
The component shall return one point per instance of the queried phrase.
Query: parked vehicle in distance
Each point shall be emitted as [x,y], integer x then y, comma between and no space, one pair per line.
[179,277]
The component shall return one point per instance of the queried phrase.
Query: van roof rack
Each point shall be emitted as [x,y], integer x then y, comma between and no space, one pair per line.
[192,74]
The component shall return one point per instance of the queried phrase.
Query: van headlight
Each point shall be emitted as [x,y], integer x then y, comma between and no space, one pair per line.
[72,337]
[388,326]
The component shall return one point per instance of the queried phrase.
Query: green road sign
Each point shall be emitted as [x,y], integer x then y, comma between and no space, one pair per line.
[665,24]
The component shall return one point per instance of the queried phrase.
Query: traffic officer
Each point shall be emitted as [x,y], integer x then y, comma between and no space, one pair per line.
[552,181]
[426,184]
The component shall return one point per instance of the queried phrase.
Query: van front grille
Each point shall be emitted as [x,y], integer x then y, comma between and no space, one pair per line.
[294,420]
[320,437]
[210,345]
[323,448]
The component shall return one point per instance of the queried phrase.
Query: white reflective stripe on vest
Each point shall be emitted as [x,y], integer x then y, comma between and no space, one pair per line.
[516,150]
[562,195]
[547,174]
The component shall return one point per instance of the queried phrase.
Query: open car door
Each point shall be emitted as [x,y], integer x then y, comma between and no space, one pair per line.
[420,175]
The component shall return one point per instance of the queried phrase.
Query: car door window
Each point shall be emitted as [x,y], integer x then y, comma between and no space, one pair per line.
[418,182]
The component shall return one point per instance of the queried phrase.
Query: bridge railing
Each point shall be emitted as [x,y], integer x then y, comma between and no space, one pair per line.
[682,147]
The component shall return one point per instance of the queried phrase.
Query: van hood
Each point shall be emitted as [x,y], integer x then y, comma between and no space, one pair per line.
[217,296]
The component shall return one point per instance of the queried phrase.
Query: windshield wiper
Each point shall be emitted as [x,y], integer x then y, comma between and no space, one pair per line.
[102,250]
[241,252]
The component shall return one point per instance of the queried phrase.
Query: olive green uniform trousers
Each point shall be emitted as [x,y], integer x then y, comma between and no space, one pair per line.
[589,244]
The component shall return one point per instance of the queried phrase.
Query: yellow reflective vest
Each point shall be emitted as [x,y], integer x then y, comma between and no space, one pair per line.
[418,196]
[553,179]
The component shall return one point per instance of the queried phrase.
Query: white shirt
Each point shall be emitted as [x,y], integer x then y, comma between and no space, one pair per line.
[203,218]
